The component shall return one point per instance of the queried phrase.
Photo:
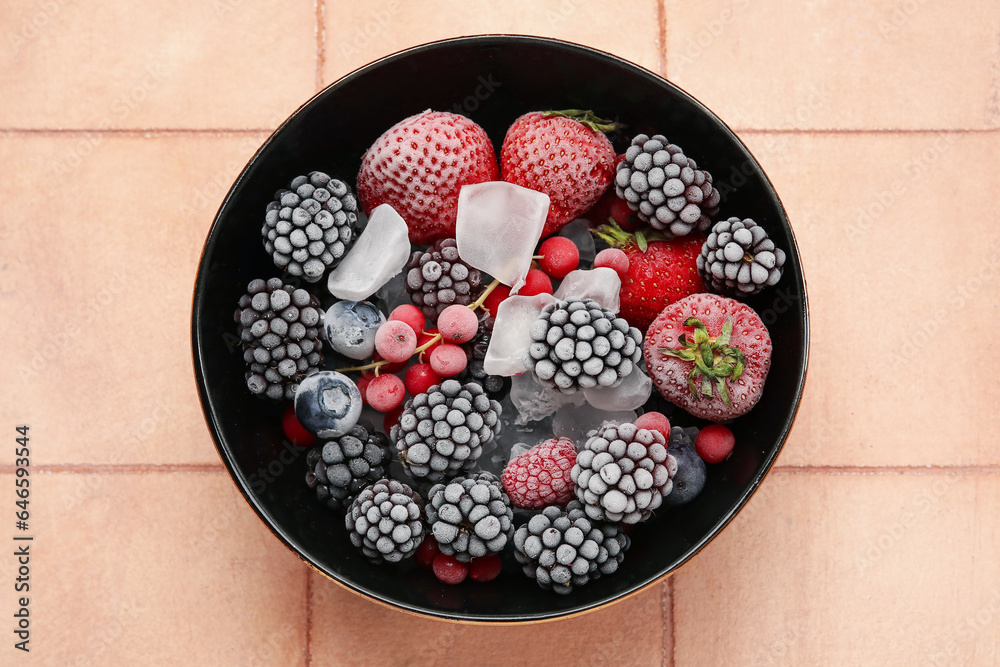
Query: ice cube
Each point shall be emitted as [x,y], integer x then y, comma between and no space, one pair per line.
[578,232]
[576,422]
[518,449]
[534,401]
[510,339]
[393,293]
[601,284]
[632,393]
[379,253]
[498,227]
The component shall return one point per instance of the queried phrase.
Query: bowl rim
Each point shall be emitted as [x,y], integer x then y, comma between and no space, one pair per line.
[208,408]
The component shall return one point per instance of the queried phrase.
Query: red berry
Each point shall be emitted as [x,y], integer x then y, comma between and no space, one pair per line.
[493,299]
[626,218]
[391,367]
[426,552]
[426,337]
[458,324]
[485,568]
[541,476]
[449,570]
[614,259]
[392,418]
[448,360]
[655,421]
[420,377]
[395,341]
[362,384]
[536,282]
[559,256]
[714,443]
[385,392]
[294,430]
[410,314]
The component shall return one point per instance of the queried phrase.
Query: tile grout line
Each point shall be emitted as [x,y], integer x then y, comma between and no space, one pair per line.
[309,604]
[860,130]
[320,42]
[664,661]
[181,131]
[987,469]
[673,625]
[121,469]
[661,23]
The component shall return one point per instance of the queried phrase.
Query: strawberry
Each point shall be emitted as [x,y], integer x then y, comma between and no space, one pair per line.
[710,355]
[563,154]
[420,164]
[660,271]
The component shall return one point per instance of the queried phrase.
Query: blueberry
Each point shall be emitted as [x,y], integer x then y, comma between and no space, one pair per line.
[328,404]
[690,477]
[350,328]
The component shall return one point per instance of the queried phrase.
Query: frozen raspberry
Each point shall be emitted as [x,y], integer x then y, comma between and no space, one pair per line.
[493,299]
[450,570]
[294,430]
[614,259]
[448,360]
[536,282]
[714,443]
[458,324]
[395,341]
[385,392]
[419,378]
[541,476]
[654,421]
[411,315]
[559,256]
[485,569]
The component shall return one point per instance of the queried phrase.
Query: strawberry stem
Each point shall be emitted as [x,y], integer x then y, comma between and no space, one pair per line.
[616,237]
[715,361]
[588,118]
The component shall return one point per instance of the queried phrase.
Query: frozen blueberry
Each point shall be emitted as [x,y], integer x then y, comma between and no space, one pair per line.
[350,328]
[328,404]
[690,477]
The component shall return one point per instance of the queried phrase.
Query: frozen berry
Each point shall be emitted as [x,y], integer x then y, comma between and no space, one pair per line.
[386,392]
[458,324]
[294,430]
[395,341]
[450,570]
[328,403]
[559,256]
[536,282]
[485,568]
[419,378]
[714,443]
[614,259]
[541,476]
[448,360]
[410,314]
[493,299]
[620,212]
[426,337]
[392,417]
[426,552]
[654,421]
[363,386]
[391,367]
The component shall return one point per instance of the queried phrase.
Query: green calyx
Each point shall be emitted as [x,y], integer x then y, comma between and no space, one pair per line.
[715,361]
[616,237]
[586,117]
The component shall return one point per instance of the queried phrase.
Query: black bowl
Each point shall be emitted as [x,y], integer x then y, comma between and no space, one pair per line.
[492,79]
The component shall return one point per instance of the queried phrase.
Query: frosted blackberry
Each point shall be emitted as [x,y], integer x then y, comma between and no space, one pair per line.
[562,548]
[384,521]
[310,226]
[665,187]
[470,517]
[496,386]
[577,344]
[622,473]
[279,328]
[341,467]
[441,433]
[739,259]
[436,278]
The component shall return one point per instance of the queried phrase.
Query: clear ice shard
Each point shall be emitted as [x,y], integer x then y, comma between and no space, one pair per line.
[379,254]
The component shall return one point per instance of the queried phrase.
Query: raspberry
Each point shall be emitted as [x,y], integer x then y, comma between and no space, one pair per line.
[411,315]
[426,552]
[448,360]
[536,282]
[395,341]
[559,256]
[458,324]
[541,476]
[493,299]
[419,378]
[385,392]
[484,569]
[714,443]
[294,430]
[654,421]
[450,570]
[614,259]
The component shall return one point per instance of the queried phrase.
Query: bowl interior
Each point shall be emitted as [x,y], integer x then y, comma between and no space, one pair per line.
[492,79]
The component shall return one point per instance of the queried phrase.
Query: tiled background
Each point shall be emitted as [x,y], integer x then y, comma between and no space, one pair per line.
[874,541]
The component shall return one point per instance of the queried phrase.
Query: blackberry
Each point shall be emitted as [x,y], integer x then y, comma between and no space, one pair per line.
[738,259]
[577,344]
[437,278]
[496,386]
[279,328]
[441,433]
[622,473]
[341,467]
[311,226]
[562,548]
[384,521]
[665,187]
[470,517]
